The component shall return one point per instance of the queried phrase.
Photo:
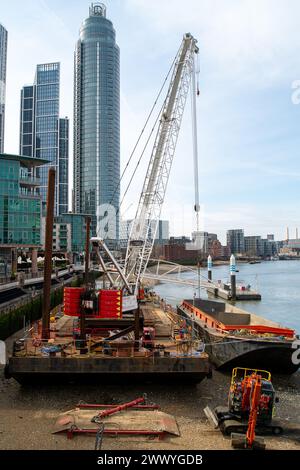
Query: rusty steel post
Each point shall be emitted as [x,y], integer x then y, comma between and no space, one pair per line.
[137,328]
[48,255]
[87,250]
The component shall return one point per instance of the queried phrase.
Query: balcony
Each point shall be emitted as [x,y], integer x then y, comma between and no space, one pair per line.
[29,181]
[29,193]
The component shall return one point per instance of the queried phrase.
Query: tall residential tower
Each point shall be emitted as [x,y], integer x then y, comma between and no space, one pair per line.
[96,115]
[43,134]
[3,60]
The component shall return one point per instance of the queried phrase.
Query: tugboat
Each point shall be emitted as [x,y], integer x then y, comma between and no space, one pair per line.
[235,337]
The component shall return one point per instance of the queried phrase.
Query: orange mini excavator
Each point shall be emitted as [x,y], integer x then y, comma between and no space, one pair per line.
[250,409]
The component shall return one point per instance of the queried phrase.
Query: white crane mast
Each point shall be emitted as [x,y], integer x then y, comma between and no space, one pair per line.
[144,227]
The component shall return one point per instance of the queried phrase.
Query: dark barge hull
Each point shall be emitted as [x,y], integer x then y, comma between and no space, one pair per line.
[232,351]
[125,370]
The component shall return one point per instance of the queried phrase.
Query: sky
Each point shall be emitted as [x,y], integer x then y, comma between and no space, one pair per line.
[248,110]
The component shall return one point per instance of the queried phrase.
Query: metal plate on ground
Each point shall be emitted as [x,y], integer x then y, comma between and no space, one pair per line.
[137,420]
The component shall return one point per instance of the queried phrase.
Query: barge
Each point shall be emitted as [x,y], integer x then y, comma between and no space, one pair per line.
[110,353]
[234,337]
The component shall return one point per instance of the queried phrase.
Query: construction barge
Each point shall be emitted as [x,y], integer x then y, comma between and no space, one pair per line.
[234,337]
[110,352]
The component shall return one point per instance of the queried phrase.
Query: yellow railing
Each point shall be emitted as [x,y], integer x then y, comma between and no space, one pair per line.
[242,372]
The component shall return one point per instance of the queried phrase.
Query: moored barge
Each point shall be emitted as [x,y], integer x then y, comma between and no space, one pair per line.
[234,337]
[110,353]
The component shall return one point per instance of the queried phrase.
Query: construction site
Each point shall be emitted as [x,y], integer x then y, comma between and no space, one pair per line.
[115,367]
[33,412]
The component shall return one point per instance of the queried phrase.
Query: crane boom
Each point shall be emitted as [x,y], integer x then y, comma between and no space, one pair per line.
[144,227]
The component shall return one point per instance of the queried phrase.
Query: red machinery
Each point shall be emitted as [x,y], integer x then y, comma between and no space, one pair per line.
[148,338]
[252,403]
[110,303]
[98,418]
[72,300]
[250,409]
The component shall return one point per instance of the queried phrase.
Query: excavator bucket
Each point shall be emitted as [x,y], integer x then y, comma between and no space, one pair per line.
[239,441]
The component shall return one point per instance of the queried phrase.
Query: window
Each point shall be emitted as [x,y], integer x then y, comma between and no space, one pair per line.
[27,115]
[46,92]
[27,139]
[45,108]
[46,124]
[27,128]
[28,103]
[46,140]
[28,92]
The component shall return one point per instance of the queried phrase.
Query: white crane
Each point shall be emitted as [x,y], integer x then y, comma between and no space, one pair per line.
[145,224]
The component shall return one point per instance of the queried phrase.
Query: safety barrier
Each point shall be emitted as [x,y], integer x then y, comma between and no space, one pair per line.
[35,346]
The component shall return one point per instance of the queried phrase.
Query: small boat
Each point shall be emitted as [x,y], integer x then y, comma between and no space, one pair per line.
[234,337]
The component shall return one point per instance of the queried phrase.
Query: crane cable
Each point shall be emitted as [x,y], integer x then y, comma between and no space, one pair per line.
[198,71]
[139,139]
[142,154]
[137,164]
[144,128]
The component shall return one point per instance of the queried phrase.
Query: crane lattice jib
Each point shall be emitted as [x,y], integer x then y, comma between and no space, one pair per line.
[144,227]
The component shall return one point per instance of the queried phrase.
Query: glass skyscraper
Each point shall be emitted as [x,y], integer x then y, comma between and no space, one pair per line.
[3,60]
[96,115]
[63,165]
[43,134]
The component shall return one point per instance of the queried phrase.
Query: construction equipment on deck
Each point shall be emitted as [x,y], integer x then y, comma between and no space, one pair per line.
[250,409]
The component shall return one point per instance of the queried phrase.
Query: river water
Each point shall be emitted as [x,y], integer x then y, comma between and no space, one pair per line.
[277,281]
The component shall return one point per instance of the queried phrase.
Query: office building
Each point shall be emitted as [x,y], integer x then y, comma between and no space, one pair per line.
[69,234]
[183,240]
[269,247]
[20,208]
[63,166]
[253,245]
[3,62]
[43,134]
[97,117]
[162,233]
[236,241]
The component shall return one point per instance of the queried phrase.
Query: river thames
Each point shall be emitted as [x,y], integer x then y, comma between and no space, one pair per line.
[277,281]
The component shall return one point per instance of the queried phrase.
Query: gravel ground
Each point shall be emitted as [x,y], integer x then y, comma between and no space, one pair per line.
[27,415]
